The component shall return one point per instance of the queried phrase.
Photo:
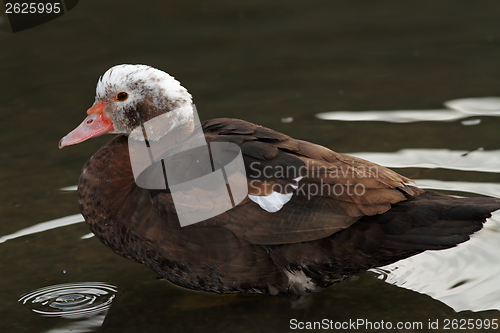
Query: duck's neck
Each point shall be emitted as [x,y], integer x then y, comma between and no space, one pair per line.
[162,134]
[171,127]
[178,134]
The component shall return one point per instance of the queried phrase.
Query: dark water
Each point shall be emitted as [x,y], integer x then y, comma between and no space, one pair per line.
[260,61]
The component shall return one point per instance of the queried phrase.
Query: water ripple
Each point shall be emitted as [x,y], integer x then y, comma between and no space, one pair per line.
[71,300]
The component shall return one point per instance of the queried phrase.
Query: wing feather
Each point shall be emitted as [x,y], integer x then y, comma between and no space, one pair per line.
[334,192]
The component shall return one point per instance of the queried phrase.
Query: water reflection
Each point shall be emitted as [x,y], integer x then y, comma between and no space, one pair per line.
[477,160]
[489,189]
[487,106]
[44,226]
[470,122]
[456,109]
[400,116]
[69,188]
[81,326]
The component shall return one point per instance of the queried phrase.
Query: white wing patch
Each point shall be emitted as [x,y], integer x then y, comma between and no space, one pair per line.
[274,201]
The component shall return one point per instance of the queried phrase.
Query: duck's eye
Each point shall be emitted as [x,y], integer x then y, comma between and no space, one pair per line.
[120,97]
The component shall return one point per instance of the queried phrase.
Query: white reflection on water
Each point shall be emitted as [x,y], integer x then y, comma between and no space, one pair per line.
[477,160]
[457,109]
[470,122]
[489,106]
[400,116]
[489,189]
[87,236]
[69,188]
[49,225]
[44,226]
[81,326]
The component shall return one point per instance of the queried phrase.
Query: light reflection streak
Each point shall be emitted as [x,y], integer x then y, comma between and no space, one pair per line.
[44,226]
[457,109]
[69,188]
[81,326]
[489,189]
[487,106]
[49,225]
[400,116]
[87,236]
[478,160]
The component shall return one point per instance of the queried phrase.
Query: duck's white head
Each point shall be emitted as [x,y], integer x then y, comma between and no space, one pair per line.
[128,96]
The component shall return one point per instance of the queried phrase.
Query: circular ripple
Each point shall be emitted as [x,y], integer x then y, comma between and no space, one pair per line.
[71,300]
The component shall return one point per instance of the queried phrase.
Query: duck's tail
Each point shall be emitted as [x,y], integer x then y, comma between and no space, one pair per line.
[430,221]
[434,221]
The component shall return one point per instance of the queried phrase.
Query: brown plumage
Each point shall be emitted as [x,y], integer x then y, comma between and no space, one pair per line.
[308,244]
